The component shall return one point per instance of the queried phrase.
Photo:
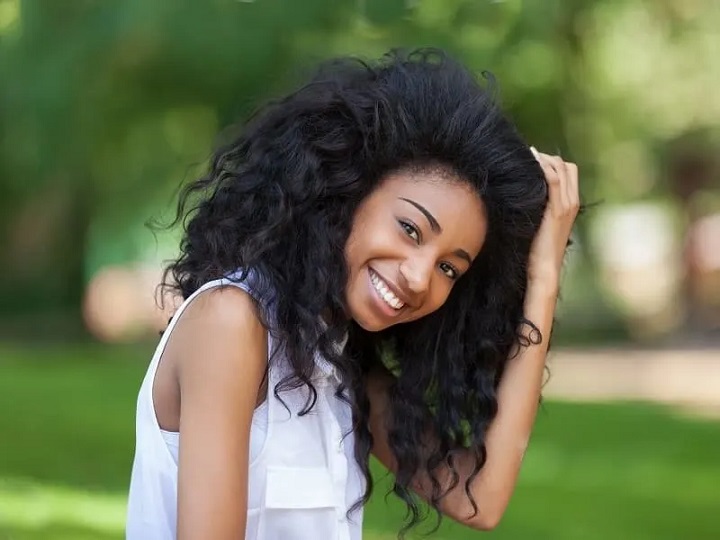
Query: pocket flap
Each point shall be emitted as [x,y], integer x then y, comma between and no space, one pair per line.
[299,487]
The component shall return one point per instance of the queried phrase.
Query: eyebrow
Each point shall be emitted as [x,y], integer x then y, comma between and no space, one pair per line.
[436,228]
[463,255]
[434,225]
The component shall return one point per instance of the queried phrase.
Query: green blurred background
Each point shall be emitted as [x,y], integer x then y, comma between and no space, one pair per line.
[107,107]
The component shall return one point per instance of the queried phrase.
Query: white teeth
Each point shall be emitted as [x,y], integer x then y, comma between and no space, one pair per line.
[380,286]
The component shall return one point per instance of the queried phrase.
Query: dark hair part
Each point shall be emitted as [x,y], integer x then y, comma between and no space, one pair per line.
[280,199]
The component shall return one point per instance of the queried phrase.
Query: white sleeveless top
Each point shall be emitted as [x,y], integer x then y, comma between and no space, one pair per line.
[303,477]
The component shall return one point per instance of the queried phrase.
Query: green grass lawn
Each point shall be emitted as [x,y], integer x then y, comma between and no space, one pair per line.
[622,471]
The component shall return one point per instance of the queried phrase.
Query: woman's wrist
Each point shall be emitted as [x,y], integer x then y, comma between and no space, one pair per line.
[539,308]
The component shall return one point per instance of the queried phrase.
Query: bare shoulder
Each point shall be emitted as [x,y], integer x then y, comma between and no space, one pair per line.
[222,324]
[225,308]
[221,349]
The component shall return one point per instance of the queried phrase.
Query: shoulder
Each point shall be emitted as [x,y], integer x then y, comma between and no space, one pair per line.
[221,326]
[221,350]
[221,311]
[225,305]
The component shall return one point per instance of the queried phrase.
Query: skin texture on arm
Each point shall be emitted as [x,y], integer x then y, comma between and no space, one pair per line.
[220,348]
[519,390]
[507,437]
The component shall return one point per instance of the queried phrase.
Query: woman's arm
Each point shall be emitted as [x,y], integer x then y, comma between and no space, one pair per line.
[506,440]
[519,390]
[221,350]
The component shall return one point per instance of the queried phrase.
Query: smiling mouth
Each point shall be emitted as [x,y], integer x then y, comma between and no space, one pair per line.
[385,293]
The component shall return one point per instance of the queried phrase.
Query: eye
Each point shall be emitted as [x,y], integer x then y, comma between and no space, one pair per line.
[449,271]
[410,229]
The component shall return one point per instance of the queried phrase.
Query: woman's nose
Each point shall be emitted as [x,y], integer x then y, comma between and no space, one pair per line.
[416,273]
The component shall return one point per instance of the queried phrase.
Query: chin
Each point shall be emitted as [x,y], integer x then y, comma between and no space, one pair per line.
[367,322]
[370,325]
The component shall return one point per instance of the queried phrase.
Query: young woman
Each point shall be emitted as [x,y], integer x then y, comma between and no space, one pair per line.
[372,267]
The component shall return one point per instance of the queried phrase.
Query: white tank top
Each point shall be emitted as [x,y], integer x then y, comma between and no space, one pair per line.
[303,477]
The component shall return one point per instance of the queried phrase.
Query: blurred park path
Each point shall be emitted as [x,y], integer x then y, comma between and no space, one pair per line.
[687,377]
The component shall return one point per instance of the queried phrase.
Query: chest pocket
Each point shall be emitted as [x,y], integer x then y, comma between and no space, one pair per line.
[301,504]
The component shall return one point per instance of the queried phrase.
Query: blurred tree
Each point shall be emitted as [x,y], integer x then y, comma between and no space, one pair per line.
[104,105]
[100,100]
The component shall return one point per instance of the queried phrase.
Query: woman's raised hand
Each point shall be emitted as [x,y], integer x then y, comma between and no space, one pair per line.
[548,248]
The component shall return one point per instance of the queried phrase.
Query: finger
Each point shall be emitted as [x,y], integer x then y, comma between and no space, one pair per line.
[549,171]
[573,186]
[561,167]
[551,178]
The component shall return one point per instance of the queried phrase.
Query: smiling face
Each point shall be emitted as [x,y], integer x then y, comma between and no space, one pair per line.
[411,240]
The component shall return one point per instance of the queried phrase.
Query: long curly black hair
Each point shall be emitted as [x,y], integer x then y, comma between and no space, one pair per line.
[279,201]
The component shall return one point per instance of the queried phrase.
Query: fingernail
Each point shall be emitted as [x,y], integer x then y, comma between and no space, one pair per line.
[535,152]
